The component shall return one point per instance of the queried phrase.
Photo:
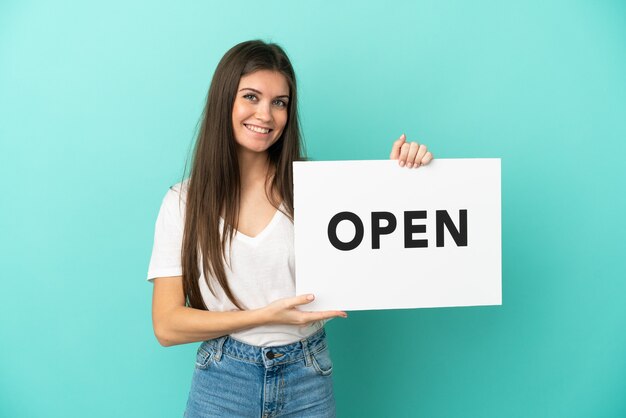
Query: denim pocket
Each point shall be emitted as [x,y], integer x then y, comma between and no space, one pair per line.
[204,356]
[322,363]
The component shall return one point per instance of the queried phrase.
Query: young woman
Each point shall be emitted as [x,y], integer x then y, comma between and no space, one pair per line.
[222,262]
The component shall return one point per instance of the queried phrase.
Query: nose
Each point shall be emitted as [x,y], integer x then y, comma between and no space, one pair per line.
[263,112]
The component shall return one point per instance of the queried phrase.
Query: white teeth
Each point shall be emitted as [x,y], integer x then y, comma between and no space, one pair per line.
[257,129]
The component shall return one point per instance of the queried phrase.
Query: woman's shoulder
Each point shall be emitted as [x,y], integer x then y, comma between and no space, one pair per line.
[176,196]
[179,189]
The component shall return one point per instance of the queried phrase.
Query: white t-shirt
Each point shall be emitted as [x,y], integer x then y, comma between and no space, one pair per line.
[261,268]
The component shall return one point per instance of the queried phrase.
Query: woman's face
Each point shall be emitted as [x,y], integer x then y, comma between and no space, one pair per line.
[260,110]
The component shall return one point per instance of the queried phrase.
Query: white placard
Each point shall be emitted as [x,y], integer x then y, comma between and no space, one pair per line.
[408,269]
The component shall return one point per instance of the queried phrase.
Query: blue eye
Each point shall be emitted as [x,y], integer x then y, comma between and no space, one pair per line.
[280,103]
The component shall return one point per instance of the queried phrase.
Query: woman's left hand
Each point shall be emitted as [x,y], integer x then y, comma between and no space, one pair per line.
[410,154]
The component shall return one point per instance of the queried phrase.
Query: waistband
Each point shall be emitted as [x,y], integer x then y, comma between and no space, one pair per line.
[267,356]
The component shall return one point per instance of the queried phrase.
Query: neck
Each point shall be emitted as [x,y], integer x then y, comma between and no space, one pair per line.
[253,168]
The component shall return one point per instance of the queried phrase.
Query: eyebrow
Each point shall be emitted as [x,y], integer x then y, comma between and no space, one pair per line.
[283,96]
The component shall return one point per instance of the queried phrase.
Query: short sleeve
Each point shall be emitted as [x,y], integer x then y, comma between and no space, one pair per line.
[168,236]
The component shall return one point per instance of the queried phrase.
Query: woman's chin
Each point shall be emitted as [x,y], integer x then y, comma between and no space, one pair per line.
[257,146]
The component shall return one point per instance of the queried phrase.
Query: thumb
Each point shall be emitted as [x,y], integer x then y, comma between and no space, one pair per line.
[395,149]
[301,299]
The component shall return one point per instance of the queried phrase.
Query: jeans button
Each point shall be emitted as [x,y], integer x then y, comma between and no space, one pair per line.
[269,355]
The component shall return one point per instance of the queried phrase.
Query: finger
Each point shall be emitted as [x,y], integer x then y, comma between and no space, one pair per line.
[404,152]
[427,158]
[395,149]
[322,315]
[410,158]
[300,300]
[420,155]
[333,314]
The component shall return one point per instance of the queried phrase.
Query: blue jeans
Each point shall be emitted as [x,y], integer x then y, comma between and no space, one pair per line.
[234,379]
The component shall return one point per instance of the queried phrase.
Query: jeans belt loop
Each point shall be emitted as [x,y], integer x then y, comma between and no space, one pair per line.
[218,349]
[307,352]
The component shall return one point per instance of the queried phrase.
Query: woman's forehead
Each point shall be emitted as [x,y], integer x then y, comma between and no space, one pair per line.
[268,82]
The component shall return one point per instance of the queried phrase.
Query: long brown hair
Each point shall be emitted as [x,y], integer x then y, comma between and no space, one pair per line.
[214,185]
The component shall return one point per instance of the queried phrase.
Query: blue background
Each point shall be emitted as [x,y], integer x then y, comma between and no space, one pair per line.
[99,104]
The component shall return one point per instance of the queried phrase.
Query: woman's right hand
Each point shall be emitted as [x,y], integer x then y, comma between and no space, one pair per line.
[284,311]
[174,323]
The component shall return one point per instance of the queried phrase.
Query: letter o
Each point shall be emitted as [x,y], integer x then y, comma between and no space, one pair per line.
[332,231]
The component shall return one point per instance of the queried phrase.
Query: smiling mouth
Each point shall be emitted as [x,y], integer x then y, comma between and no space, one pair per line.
[257,129]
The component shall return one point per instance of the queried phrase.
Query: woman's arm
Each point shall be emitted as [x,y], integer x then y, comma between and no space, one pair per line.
[174,323]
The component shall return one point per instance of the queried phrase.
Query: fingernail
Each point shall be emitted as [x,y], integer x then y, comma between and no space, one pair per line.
[310,297]
[401,163]
[409,165]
